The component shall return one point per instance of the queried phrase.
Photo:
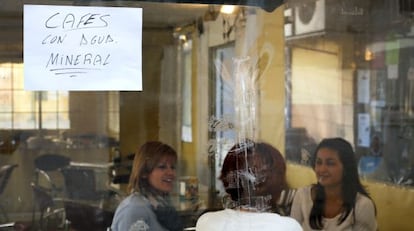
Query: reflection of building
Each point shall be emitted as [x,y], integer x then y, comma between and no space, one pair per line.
[324,17]
[351,68]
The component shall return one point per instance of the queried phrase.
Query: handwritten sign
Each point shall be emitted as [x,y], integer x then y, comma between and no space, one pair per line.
[82,48]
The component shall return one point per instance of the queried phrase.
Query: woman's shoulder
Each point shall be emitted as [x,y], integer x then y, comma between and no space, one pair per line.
[274,217]
[305,190]
[363,201]
[303,196]
[133,211]
[365,212]
[306,187]
[219,213]
[134,197]
[236,218]
[213,220]
[134,200]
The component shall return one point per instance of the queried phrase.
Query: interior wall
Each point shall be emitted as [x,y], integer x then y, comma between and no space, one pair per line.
[271,65]
[189,149]
[200,98]
[318,87]
[89,112]
[170,103]
[11,39]
[139,110]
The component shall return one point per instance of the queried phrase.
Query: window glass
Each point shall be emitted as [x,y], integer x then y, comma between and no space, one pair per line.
[351,85]
[287,73]
[187,80]
[24,106]
[6,101]
[25,121]
[5,76]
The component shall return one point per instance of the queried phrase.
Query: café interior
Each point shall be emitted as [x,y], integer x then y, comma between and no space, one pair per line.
[287,72]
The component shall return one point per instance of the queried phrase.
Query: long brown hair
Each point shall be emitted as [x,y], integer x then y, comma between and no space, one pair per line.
[236,159]
[351,184]
[239,157]
[145,160]
[272,157]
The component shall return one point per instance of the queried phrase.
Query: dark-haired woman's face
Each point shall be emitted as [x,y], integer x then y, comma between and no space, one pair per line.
[328,168]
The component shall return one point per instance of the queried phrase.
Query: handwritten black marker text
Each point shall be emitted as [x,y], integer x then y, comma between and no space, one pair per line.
[74,22]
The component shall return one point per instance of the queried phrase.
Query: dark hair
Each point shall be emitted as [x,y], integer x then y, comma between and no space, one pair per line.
[351,185]
[237,158]
[145,160]
[274,159]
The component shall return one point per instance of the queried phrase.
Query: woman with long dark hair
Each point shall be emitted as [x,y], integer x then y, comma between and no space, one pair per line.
[338,201]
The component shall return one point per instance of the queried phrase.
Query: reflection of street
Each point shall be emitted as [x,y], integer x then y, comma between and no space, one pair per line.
[299,146]
[390,160]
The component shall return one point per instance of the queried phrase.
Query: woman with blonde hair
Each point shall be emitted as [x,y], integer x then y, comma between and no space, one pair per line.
[148,206]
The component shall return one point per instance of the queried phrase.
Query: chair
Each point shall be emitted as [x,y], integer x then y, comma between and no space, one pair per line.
[80,184]
[5,173]
[46,196]
[45,164]
[86,207]
[47,206]
[84,215]
[285,201]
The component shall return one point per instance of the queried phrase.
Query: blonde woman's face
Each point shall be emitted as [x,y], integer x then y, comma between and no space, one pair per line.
[163,176]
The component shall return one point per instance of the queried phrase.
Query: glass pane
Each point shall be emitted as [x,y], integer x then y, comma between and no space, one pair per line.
[113,122]
[113,99]
[186,90]
[289,73]
[55,120]
[49,101]
[25,101]
[5,101]
[25,121]
[63,101]
[342,81]
[5,120]
[63,120]
[18,77]
[49,120]
[6,76]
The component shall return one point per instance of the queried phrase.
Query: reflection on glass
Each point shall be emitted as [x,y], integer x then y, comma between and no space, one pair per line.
[337,59]
[349,79]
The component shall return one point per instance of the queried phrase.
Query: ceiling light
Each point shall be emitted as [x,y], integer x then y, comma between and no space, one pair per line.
[227,9]
[182,37]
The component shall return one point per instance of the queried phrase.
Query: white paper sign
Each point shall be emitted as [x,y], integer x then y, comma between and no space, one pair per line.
[363,86]
[82,48]
[364,130]
[392,71]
